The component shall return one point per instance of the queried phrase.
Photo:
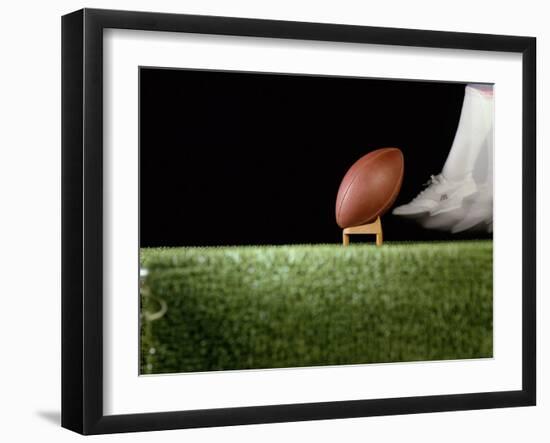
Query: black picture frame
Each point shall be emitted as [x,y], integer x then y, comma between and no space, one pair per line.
[82,218]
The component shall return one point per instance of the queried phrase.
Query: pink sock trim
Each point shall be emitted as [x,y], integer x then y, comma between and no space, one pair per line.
[482,87]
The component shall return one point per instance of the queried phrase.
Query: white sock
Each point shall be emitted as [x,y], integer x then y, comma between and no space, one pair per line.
[483,169]
[476,121]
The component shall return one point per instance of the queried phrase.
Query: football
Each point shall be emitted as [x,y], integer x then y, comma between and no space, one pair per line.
[370,187]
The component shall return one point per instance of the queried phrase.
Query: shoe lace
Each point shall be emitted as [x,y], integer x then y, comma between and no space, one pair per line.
[434,180]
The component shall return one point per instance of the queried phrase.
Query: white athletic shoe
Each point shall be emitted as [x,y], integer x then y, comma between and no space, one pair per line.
[438,191]
[453,197]
[479,212]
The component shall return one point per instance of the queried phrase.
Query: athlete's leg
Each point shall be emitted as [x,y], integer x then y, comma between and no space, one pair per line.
[447,190]
[476,121]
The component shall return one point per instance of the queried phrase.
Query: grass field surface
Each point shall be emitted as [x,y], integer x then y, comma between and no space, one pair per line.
[229,308]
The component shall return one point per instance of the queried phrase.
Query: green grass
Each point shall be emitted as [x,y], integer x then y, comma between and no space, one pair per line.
[307,305]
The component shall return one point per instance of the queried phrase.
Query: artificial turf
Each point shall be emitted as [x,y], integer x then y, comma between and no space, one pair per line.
[306,305]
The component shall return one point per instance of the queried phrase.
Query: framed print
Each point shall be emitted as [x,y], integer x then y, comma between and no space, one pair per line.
[269,221]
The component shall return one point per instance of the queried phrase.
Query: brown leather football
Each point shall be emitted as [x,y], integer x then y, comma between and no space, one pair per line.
[370,187]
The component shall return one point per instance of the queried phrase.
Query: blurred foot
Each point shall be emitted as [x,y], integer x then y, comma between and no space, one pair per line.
[479,212]
[440,195]
[453,198]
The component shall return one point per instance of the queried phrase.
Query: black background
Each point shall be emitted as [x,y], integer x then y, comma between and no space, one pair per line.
[231,158]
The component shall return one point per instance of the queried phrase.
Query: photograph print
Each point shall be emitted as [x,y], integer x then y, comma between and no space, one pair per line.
[291,220]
